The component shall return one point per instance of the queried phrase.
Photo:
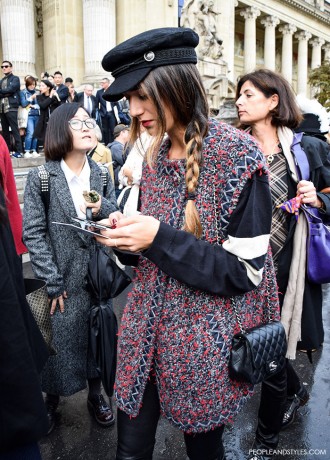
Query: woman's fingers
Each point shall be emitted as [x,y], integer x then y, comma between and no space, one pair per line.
[58,301]
[132,234]
[308,193]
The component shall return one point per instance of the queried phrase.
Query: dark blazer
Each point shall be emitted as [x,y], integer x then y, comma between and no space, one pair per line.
[102,105]
[12,91]
[23,353]
[80,99]
[63,93]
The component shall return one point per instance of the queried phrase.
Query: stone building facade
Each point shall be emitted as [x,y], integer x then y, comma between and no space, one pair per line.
[291,36]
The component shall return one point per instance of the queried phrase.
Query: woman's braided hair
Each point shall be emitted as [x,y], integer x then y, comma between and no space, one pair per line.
[179,88]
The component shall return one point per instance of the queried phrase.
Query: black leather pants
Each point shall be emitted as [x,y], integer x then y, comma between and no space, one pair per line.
[136,436]
[271,410]
[294,384]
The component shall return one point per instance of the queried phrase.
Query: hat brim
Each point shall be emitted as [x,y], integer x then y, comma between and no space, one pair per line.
[124,83]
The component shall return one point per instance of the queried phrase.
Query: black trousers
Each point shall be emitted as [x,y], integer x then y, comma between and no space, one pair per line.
[9,119]
[108,125]
[136,436]
[274,393]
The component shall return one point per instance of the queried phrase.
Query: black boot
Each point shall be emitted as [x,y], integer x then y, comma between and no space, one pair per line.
[293,404]
[100,410]
[51,403]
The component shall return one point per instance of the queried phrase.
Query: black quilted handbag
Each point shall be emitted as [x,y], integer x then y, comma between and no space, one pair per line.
[258,353]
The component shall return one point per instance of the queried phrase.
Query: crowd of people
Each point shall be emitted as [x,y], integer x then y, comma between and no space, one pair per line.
[25,113]
[211,246]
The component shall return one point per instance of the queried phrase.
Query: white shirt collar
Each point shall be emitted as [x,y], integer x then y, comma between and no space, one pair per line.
[70,175]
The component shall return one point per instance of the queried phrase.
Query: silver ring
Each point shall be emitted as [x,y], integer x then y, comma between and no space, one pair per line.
[116,243]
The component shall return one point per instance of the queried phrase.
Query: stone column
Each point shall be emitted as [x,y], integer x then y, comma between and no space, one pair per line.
[250,15]
[136,16]
[270,23]
[287,30]
[326,49]
[63,44]
[227,33]
[17,18]
[99,25]
[303,38]
[316,51]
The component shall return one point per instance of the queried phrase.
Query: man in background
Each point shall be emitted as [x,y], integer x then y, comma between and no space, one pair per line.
[87,99]
[62,91]
[119,151]
[9,103]
[108,111]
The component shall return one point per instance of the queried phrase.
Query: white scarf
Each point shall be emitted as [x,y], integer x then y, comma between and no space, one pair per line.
[293,299]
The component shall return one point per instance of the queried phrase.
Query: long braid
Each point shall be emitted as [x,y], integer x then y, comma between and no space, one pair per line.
[180,88]
[192,222]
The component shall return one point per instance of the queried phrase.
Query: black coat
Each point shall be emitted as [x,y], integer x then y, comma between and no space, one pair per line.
[47,106]
[312,332]
[12,91]
[23,353]
[102,105]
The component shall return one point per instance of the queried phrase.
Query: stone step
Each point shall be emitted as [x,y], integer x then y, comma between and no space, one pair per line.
[27,163]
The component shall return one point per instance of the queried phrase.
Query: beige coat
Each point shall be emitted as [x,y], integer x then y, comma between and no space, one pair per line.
[102,154]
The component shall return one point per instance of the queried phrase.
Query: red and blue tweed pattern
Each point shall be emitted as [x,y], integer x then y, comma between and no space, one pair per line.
[183,333]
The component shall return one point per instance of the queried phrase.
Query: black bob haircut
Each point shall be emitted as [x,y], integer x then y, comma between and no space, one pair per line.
[58,139]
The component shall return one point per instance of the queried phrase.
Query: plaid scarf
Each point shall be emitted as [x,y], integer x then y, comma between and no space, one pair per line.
[279,192]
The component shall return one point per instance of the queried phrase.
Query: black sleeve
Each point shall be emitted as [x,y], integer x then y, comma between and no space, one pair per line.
[45,102]
[318,154]
[63,93]
[233,268]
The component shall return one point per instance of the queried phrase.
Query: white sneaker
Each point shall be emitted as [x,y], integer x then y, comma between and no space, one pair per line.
[35,154]
[27,155]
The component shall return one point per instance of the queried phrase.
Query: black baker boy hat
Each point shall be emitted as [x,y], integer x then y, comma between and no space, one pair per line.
[131,61]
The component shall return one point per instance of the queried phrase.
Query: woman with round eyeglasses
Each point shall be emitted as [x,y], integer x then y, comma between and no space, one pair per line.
[60,256]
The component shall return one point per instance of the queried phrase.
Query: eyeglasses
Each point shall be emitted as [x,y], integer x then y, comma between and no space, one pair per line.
[77,124]
[5,66]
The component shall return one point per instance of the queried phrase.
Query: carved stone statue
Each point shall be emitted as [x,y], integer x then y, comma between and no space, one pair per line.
[200,16]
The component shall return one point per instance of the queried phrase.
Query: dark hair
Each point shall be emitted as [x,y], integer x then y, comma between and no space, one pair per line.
[287,112]
[8,62]
[58,73]
[30,80]
[68,80]
[179,88]
[48,83]
[58,139]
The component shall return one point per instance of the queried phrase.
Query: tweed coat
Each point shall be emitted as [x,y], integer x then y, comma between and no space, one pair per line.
[180,330]
[60,257]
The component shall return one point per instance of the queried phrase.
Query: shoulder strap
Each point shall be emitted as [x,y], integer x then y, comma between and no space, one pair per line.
[300,157]
[105,178]
[44,185]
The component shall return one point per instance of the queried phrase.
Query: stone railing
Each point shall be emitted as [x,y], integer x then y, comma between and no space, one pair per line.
[21,168]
